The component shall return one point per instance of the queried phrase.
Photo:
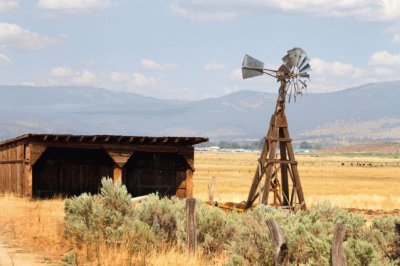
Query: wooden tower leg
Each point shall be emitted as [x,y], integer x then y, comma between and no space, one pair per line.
[260,168]
[278,135]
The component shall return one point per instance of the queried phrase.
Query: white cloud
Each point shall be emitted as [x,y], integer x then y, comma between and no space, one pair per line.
[13,36]
[119,77]
[332,76]
[202,15]
[73,5]
[8,5]
[85,78]
[384,58]
[396,38]
[4,60]
[226,10]
[236,74]
[152,65]
[213,65]
[140,80]
[62,72]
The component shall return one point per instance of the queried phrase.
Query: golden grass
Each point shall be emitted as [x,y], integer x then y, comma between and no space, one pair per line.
[374,183]
[32,232]
[37,226]
[33,227]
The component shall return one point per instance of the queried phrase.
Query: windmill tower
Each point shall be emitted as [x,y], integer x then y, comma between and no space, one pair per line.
[277,165]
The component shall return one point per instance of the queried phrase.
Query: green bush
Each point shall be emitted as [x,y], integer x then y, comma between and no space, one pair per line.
[215,228]
[111,219]
[103,217]
[164,216]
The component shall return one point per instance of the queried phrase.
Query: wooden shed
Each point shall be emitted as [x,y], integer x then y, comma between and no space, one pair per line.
[42,165]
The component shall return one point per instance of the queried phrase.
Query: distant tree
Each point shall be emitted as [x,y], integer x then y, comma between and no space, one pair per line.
[305,145]
[317,146]
[228,145]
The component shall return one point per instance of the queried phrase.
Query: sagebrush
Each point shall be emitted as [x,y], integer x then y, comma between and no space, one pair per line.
[111,220]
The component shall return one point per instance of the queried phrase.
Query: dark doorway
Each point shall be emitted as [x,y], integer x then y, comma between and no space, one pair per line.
[147,172]
[68,171]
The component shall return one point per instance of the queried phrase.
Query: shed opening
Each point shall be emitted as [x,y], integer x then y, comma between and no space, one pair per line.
[149,172]
[70,171]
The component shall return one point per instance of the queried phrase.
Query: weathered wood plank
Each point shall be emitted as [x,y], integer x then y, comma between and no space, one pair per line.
[191,236]
[338,258]
[279,242]
[189,183]
[35,151]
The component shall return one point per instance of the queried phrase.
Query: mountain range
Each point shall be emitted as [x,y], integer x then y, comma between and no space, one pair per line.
[368,113]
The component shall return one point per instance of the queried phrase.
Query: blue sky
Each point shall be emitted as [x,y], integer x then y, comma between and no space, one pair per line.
[194,49]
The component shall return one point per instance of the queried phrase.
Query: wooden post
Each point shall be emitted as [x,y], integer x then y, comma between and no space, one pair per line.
[211,189]
[189,183]
[338,258]
[279,242]
[191,225]
[117,175]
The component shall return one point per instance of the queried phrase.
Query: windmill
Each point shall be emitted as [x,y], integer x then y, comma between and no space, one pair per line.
[287,191]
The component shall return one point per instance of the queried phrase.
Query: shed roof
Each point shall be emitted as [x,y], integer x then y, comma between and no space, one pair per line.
[105,139]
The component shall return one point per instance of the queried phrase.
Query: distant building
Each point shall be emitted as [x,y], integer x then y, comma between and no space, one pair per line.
[43,165]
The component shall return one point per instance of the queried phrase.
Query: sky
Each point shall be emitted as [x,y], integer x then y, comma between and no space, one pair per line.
[189,50]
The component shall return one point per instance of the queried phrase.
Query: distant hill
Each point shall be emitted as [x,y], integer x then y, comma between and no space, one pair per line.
[363,114]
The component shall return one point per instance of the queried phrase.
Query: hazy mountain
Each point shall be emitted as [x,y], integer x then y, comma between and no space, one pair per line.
[366,113]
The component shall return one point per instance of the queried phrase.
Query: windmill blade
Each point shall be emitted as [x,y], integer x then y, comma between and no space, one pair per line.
[303,61]
[304,68]
[294,56]
[304,75]
[286,61]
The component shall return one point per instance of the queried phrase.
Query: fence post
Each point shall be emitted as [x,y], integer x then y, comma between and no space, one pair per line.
[191,225]
[279,242]
[211,189]
[338,258]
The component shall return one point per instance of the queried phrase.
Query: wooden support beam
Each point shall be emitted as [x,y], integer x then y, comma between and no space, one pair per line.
[189,183]
[120,156]
[117,175]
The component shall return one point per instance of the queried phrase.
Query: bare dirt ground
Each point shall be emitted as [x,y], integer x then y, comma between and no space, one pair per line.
[11,255]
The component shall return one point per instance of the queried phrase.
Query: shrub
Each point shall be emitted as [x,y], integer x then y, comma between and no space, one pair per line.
[102,217]
[215,228]
[160,223]
[384,236]
[164,216]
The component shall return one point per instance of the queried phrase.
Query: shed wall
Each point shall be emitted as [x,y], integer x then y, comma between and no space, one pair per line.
[12,162]
[46,169]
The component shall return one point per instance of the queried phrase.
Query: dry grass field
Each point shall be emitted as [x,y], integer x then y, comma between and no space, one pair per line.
[36,227]
[365,182]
